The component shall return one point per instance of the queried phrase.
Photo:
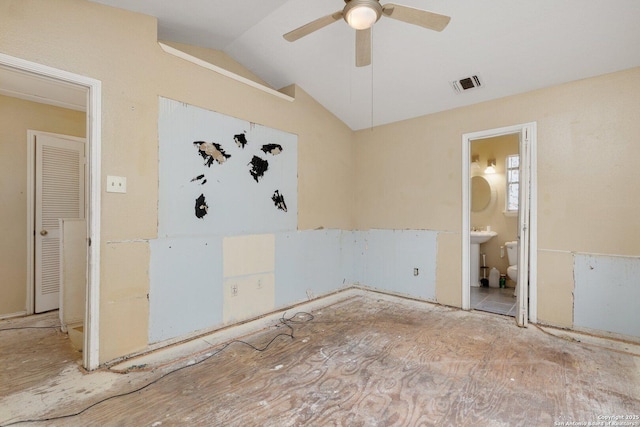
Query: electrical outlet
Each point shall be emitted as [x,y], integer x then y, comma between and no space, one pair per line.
[116,184]
[416,271]
[259,284]
[234,290]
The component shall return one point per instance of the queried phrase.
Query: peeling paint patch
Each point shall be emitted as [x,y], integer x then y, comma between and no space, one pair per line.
[274,149]
[211,152]
[240,139]
[201,207]
[278,200]
[258,167]
[199,178]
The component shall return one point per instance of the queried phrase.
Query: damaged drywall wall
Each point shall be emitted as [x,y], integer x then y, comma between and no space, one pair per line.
[258,168]
[311,263]
[235,173]
[315,262]
[249,276]
[228,247]
[204,282]
[210,152]
[185,291]
[222,180]
[388,259]
[607,293]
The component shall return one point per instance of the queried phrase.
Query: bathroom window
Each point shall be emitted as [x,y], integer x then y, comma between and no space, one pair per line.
[513,182]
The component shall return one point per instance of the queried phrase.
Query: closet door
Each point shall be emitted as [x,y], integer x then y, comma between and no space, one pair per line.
[59,193]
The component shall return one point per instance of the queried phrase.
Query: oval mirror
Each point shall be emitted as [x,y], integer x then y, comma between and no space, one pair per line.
[480,193]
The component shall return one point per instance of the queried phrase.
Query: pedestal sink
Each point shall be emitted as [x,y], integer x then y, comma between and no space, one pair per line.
[477,237]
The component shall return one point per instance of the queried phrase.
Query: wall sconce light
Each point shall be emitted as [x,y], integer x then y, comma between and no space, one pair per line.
[491,166]
[475,163]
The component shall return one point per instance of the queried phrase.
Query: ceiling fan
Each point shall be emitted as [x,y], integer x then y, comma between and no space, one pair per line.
[362,14]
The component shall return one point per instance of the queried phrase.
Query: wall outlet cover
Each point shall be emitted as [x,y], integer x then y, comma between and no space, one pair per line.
[116,184]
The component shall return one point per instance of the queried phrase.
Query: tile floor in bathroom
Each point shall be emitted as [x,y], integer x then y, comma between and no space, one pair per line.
[494,300]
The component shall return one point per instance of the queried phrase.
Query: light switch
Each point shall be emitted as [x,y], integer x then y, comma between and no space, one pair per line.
[116,184]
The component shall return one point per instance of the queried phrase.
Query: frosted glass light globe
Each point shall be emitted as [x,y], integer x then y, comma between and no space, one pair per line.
[361,17]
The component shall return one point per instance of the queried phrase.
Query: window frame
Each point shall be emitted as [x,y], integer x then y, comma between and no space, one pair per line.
[509,183]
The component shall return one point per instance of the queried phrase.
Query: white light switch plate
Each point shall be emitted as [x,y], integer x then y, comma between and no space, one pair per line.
[116,184]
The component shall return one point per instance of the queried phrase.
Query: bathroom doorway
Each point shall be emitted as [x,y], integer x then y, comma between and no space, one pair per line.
[494,223]
[499,222]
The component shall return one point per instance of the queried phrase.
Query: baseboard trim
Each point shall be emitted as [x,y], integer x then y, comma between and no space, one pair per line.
[12,315]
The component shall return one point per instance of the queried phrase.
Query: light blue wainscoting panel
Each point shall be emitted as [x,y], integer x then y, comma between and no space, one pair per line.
[187,279]
[312,261]
[607,293]
[186,292]
[387,258]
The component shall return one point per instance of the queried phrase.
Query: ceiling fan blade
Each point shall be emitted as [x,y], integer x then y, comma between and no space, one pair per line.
[312,26]
[363,47]
[429,20]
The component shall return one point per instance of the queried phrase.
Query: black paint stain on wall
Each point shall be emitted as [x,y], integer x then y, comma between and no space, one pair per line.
[211,152]
[240,139]
[278,200]
[274,149]
[200,178]
[201,207]
[258,167]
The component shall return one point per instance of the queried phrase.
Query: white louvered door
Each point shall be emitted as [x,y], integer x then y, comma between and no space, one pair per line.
[59,183]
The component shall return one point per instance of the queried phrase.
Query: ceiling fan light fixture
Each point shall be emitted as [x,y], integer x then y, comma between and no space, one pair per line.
[362,14]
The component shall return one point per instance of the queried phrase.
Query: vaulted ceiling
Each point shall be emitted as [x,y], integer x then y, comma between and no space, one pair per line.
[514,46]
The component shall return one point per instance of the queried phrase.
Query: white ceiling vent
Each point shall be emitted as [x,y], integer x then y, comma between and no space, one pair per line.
[466,83]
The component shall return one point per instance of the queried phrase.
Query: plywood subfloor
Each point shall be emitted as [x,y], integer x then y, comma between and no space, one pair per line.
[32,355]
[372,361]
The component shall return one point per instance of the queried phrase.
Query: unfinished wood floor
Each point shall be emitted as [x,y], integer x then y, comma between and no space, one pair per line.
[367,361]
[29,357]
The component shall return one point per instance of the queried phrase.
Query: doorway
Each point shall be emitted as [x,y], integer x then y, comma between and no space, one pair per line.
[494,223]
[54,85]
[525,309]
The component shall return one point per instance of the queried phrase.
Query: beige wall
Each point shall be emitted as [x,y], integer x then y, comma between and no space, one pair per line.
[402,175]
[120,49]
[497,148]
[16,117]
[408,175]
[218,58]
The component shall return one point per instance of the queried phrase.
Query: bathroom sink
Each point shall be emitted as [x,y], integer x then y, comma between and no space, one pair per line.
[478,237]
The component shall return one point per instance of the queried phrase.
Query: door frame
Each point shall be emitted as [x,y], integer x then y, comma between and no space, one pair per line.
[91,353]
[528,135]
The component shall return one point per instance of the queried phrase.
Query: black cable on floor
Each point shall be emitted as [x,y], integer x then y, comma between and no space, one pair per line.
[307,317]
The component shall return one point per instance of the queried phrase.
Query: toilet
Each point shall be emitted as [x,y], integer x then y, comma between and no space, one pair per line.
[512,256]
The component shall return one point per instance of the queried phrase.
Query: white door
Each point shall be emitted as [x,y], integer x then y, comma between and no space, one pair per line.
[73,273]
[522,303]
[59,193]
